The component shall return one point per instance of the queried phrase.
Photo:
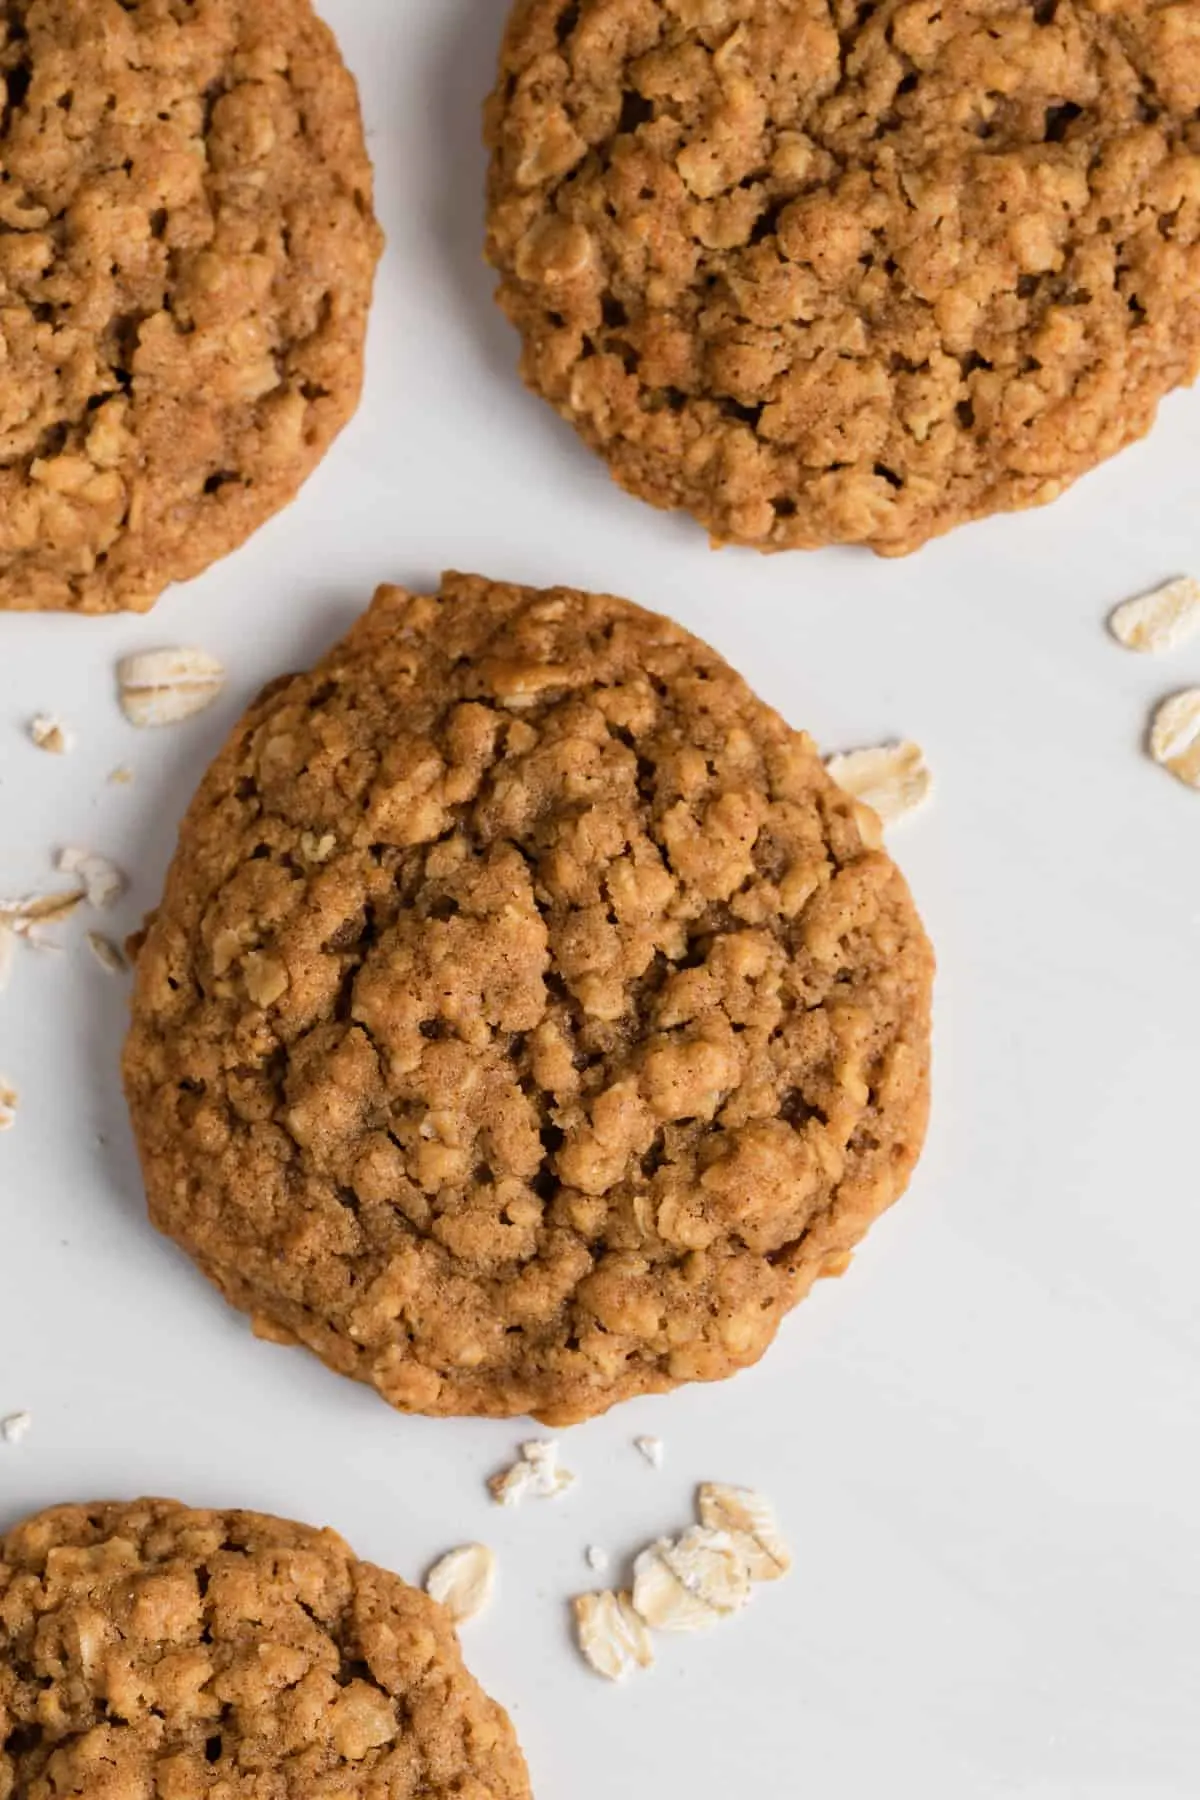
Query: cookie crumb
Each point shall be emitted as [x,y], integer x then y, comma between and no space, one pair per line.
[510,1488]
[750,1521]
[536,1475]
[463,1581]
[164,687]
[614,1641]
[15,1427]
[121,776]
[8,1105]
[106,953]
[597,1558]
[1161,620]
[103,882]
[542,1457]
[1175,736]
[49,735]
[892,779]
[652,1449]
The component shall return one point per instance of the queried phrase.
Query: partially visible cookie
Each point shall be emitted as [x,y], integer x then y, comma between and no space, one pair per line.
[527,1022]
[821,272]
[187,250]
[146,1649]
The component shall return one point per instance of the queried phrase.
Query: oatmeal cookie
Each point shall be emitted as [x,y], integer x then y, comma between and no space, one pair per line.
[187,250]
[821,272]
[529,1019]
[149,1649]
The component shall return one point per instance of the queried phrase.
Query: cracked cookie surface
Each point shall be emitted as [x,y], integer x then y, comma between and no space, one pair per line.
[820,272]
[147,1648]
[187,249]
[528,1020]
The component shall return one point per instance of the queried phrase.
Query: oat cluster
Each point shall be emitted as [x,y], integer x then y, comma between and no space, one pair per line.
[187,250]
[147,1649]
[822,272]
[685,1584]
[526,1024]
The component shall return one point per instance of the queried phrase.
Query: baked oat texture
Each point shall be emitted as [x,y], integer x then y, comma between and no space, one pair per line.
[526,1023]
[187,250]
[147,1649]
[827,272]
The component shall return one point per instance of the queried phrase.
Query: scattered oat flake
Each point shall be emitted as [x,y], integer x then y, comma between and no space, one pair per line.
[103,882]
[15,1427]
[892,779]
[688,1583]
[537,1475]
[597,1558]
[1161,620]
[751,1523]
[662,1600]
[164,687]
[49,735]
[1175,736]
[652,1449]
[463,1581]
[106,953]
[34,912]
[611,1636]
[8,1105]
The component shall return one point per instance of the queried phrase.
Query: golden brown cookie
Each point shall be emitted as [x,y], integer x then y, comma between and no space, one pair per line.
[529,1020]
[149,1650]
[821,272]
[187,250]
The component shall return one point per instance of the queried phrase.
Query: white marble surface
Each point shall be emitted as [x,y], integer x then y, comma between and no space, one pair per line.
[984,1442]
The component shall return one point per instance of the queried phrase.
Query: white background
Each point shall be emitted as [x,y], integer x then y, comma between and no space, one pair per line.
[983,1442]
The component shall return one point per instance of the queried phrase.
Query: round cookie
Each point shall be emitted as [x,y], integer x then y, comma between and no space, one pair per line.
[187,250]
[147,1649]
[528,1020]
[825,273]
